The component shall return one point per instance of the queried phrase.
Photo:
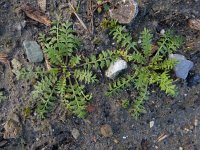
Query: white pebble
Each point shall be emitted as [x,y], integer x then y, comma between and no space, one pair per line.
[139,41]
[151,124]
[125,137]
[195,122]
[115,68]
[162,31]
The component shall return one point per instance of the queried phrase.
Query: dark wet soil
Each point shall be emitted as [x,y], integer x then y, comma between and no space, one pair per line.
[176,120]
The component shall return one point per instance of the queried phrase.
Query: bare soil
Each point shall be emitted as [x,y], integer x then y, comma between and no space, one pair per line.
[176,120]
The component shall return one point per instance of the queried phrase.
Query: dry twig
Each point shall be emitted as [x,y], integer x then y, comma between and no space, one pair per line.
[80,20]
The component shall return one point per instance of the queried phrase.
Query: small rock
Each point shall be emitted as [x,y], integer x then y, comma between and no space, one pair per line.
[75,133]
[194,24]
[194,80]
[115,68]
[139,41]
[183,66]
[195,122]
[33,51]
[42,4]
[116,141]
[125,137]
[151,124]
[106,130]
[13,127]
[180,148]
[125,11]
[162,32]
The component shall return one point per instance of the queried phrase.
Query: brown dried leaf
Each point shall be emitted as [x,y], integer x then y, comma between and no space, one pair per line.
[194,24]
[3,58]
[35,14]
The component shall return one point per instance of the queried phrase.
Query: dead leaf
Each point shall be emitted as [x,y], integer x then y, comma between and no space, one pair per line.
[3,58]
[194,24]
[35,14]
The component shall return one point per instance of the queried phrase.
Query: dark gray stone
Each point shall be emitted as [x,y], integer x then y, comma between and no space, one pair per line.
[33,51]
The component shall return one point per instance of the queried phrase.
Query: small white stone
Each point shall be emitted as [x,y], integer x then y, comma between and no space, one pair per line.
[162,31]
[180,148]
[139,41]
[37,139]
[195,122]
[185,95]
[115,68]
[151,124]
[125,137]
[75,133]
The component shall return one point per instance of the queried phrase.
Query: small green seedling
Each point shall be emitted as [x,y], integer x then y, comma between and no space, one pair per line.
[69,72]
[149,65]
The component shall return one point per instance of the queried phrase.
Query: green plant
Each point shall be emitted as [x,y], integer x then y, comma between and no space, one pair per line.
[69,72]
[125,103]
[150,65]
[102,5]
[2,97]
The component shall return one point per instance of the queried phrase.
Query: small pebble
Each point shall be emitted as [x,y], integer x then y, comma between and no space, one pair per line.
[180,148]
[183,67]
[195,122]
[116,141]
[151,124]
[162,32]
[42,4]
[75,133]
[125,12]
[125,137]
[115,68]
[106,130]
[139,41]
